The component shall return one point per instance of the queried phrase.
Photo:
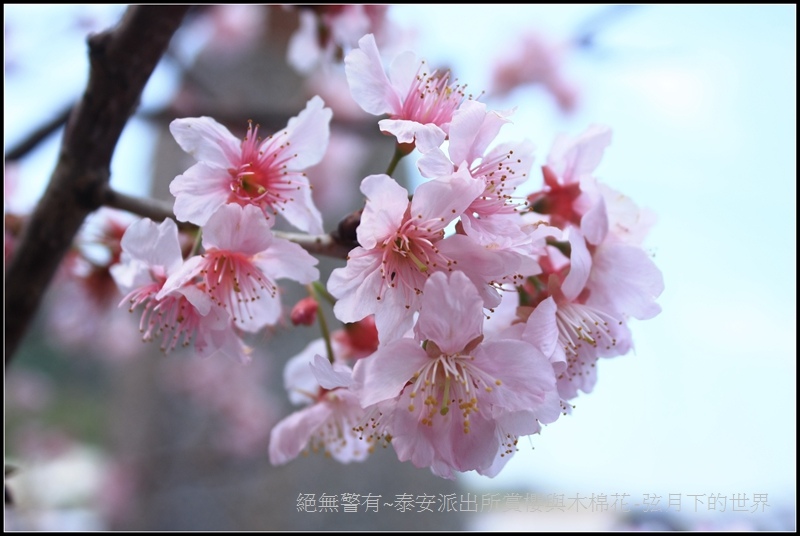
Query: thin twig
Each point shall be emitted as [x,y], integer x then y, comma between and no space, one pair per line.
[330,245]
[39,135]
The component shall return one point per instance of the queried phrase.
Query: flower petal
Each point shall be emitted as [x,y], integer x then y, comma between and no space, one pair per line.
[383,375]
[445,198]
[451,314]
[387,202]
[236,228]
[200,191]
[368,82]
[206,140]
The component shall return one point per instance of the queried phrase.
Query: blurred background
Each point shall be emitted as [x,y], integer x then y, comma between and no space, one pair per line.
[105,433]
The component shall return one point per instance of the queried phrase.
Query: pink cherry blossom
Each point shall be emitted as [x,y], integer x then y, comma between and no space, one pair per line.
[330,420]
[535,60]
[420,102]
[493,218]
[445,393]
[501,170]
[400,248]
[325,30]
[586,331]
[624,279]
[150,254]
[241,263]
[86,289]
[569,194]
[266,173]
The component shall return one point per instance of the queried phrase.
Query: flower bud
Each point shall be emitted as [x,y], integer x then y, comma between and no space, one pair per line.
[304,312]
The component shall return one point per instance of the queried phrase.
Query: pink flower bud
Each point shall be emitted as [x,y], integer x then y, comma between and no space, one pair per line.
[305,312]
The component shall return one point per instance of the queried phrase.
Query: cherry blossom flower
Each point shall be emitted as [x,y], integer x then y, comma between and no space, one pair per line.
[570,195]
[325,30]
[241,262]
[401,246]
[587,329]
[501,170]
[331,418]
[453,395]
[535,60]
[266,173]
[150,254]
[86,289]
[493,218]
[420,102]
[624,279]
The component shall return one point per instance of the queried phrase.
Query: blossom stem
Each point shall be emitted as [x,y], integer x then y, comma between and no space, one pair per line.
[322,291]
[198,240]
[323,324]
[399,153]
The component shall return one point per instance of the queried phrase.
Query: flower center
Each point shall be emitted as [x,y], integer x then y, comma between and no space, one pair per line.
[431,98]
[233,282]
[449,380]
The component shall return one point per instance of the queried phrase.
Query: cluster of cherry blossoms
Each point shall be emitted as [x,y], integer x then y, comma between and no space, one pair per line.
[473,313]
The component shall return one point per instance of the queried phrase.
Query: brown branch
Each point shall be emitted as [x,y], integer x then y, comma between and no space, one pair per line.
[154,209]
[121,61]
[326,244]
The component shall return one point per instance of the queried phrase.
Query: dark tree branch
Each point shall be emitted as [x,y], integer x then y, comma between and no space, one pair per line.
[154,209]
[121,61]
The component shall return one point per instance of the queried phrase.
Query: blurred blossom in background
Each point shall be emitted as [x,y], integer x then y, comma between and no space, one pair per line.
[106,433]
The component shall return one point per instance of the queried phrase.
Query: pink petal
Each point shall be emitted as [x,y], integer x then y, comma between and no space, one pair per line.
[451,314]
[393,319]
[384,374]
[580,265]
[285,259]
[307,135]
[594,224]
[303,51]
[445,198]
[154,244]
[236,228]
[573,158]
[357,285]
[403,71]
[290,436]
[435,164]
[199,192]
[206,140]
[265,311]
[426,136]
[525,374]
[476,449]
[368,82]
[331,376]
[541,329]
[383,214]
[625,279]
[480,265]
[301,211]
[472,130]
[182,276]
